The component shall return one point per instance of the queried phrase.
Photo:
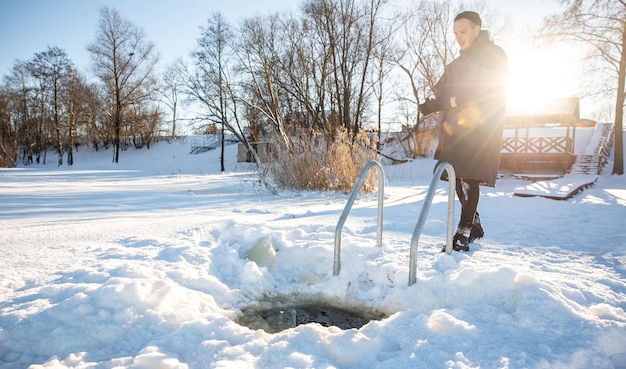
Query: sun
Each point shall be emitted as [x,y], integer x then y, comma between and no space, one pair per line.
[537,76]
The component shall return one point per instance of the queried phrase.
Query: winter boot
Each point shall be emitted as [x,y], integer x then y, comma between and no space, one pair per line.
[461,239]
[477,230]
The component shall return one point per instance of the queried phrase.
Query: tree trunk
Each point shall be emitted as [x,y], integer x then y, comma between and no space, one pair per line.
[618,160]
[174,121]
[57,129]
[116,134]
[223,168]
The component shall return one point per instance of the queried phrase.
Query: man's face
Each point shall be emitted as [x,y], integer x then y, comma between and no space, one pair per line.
[466,33]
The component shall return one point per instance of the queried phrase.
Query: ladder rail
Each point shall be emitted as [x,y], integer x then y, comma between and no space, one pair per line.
[348,207]
[424,212]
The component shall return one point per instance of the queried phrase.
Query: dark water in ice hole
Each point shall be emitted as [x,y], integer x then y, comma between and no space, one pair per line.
[276,319]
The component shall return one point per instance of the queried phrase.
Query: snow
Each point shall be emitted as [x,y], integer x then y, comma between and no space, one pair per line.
[149,264]
[560,188]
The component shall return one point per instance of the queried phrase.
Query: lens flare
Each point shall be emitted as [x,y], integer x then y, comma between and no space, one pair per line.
[471,116]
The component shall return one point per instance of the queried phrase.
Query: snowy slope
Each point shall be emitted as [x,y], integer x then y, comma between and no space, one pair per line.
[142,265]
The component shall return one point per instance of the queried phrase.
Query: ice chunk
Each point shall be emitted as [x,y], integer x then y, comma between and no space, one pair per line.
[262,252]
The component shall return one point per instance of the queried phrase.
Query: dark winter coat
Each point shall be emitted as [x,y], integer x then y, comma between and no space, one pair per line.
[471,132]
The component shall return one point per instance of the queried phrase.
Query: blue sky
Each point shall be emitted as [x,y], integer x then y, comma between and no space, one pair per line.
[30,26]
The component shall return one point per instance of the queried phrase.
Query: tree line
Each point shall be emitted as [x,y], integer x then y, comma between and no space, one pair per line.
[331,72]
[45,102]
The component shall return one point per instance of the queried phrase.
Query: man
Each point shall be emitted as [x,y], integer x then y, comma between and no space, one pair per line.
[471,95]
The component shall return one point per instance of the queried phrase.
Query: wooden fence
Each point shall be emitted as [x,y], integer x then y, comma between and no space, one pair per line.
[525,154]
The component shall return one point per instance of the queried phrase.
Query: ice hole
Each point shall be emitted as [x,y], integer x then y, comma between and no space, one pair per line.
[281,315]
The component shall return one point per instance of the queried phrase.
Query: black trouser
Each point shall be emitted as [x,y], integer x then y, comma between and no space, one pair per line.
[468,192]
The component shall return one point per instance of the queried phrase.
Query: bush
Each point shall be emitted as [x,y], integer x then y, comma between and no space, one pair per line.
[315,162]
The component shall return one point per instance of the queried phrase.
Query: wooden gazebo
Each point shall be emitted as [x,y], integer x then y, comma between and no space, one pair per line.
[541,140]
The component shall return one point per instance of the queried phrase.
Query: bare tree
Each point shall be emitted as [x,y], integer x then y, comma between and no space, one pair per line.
[259,56]
[426,47]
[383,58]
[600,24]
[302,75]
[98,128]
[172,82]
[22,106]
[347,28]
[212,63]
[146,120]
[124,61]
[40,114]
[8,139]
[52,68]
[79,99]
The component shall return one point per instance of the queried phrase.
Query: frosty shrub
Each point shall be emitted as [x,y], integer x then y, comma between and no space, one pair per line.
[314,162]
[418,141]
[426,139]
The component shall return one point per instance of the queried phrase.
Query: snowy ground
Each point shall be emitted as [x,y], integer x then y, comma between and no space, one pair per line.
[142,265]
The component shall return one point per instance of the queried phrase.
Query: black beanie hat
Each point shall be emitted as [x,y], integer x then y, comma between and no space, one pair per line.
[471,16]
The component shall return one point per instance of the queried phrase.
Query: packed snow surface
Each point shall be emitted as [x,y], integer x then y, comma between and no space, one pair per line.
[149,263]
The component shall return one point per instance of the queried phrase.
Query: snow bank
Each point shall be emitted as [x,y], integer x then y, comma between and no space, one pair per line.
[150,262]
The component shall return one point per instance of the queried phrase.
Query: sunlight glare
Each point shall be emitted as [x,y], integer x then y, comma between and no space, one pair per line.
[537,76]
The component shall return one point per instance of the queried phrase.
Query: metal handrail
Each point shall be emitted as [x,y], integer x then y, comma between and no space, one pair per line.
[346,210]
[422,218]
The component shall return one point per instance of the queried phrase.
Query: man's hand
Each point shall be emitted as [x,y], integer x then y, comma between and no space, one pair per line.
[429,106]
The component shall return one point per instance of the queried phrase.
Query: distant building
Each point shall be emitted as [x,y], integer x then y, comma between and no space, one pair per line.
[541,139]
